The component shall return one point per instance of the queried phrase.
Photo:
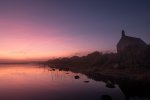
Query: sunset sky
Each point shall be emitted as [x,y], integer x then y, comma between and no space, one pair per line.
[40,29]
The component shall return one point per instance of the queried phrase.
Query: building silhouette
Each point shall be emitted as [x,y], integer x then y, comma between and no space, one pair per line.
[132,51]
[128,43]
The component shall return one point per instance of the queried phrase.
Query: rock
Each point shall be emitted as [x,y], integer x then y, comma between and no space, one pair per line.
[109,84]
[76,77]
[86,81]
[105,97]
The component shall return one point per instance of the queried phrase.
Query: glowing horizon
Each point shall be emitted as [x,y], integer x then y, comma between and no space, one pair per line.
[26,40]
[35,29]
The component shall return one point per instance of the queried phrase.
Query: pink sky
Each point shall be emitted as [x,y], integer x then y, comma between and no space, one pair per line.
[40,29]
[26,40]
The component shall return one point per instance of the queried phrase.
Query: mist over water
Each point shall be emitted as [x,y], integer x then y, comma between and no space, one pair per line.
[31,82]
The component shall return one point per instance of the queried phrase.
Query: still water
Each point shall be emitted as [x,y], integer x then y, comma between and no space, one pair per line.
[31,82]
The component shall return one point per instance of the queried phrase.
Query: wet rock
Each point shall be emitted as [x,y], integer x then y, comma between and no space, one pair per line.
[105,97]
[86,81]
[109,84]
[76,77]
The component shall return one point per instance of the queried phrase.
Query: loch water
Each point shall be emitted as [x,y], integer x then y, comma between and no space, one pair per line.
[32,82]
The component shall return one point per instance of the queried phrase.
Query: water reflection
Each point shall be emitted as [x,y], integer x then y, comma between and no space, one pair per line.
[132,90]
[30,82]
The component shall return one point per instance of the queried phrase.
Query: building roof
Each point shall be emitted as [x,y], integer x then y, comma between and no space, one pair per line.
[127,41]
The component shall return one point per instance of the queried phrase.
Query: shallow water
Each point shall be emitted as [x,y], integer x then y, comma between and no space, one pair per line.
[31,82]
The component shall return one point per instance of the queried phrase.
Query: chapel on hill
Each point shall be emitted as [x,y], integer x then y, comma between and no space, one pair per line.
[127,43]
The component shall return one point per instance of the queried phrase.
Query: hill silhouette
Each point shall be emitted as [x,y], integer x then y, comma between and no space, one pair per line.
[132,60]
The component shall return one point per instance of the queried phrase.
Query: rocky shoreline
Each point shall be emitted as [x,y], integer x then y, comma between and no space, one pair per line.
[103,73]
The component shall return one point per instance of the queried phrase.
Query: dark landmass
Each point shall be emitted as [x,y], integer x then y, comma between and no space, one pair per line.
[131,62]
[131,74]
[113,65]
[133,80]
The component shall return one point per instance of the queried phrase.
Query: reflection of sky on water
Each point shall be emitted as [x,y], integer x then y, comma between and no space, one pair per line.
[28,82]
